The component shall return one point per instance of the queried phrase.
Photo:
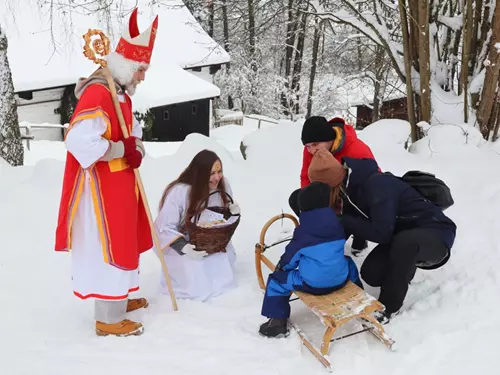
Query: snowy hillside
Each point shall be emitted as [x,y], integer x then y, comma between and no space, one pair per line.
[446,328]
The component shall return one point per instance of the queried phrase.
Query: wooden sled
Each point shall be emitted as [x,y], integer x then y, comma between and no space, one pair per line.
[334,309]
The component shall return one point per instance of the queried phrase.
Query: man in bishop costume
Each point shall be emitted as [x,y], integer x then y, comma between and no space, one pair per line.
[102,219]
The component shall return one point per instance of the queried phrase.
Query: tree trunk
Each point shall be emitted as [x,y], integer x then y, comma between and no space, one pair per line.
[378,89]
[414,37]
[414,26]
[359,46]
[468,36]
[474,43]
[225,25]
[211,18]
[494,136]
[456,46]
[489,92]
[291,30]
[251,41]
[225,28]
[484,26]
[297,65]
[408,70]
[424,63]
[314,62]
[11,146]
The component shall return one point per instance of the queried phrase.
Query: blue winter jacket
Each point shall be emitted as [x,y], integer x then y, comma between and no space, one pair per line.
[390,204]
[317,249]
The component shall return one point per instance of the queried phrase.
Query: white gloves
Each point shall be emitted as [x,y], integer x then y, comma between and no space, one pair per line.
[140,147]
[116,150]
[190,251]
[234,208]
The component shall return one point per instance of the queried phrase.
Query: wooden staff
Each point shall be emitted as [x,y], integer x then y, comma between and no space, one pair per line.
[102,47]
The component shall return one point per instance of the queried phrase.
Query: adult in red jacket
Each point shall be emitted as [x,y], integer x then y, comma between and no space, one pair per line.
[334,135]
[338,137]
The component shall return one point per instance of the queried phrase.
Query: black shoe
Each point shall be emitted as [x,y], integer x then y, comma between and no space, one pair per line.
[275,327]
[385,317]
[358,246]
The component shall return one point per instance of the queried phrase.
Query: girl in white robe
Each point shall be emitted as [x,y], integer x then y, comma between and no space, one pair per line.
[194,274]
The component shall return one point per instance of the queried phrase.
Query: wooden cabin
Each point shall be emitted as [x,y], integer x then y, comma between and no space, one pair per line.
[179,86]
[392,108]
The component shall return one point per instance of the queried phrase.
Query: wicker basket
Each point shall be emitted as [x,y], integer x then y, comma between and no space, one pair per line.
[211,240]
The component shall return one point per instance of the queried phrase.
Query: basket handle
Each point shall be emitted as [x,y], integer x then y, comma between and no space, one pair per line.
[199,209]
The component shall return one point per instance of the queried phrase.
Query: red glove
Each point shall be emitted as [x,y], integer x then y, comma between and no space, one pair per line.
[129,146]
[131,154]
[135,159]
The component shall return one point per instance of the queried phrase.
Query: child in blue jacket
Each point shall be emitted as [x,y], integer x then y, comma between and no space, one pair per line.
[313,262]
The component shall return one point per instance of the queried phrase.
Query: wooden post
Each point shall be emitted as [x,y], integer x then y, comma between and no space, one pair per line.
[124,129]
[28,134]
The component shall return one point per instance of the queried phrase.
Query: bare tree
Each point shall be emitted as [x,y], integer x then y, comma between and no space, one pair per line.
[314,63]
[489,95]
[11,147]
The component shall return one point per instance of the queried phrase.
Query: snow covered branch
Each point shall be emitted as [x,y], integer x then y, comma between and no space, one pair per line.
[366,23]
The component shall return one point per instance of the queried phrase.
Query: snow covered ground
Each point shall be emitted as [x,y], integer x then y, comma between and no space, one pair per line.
[447,327]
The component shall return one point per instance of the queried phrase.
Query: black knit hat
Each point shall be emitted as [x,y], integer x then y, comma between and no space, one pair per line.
[313,196]
[317,129]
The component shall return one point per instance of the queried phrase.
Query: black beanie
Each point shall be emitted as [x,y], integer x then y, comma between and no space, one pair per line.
[317,129]
[313,196]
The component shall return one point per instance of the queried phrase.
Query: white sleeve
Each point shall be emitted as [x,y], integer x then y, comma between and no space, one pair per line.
[171,215]
[85,142]
[136,128]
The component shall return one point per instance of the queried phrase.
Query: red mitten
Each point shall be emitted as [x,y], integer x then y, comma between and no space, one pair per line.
[134,160]
[129,146]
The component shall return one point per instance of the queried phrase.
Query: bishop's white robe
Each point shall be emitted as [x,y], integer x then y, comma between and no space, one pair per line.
[92,277]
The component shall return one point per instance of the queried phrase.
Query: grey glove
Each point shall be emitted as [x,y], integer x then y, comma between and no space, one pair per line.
[185,248]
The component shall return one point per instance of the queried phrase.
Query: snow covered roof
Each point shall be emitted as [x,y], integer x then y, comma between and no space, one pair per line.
[176,85]
[42,56]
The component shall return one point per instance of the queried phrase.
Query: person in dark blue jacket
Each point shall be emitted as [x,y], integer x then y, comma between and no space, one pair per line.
[411,232]
[313,262]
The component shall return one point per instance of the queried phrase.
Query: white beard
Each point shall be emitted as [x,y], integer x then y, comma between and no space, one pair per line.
[131,89]
[123,70]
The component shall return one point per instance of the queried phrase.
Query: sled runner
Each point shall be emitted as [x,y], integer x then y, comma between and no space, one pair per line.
[333,310]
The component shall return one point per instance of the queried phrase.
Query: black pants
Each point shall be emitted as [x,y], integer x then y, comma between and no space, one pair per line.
[357,243]
[392,266]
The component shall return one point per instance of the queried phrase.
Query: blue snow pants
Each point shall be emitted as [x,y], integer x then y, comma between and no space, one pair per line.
[280,285]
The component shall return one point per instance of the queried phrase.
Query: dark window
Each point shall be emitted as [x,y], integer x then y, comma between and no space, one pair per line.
[214,69]
[26,95]
[165,115]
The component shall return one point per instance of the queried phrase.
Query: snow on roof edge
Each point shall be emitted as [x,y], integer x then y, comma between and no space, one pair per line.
[180,40]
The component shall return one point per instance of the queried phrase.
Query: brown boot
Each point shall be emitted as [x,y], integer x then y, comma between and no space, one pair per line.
[136,303]
[122,329]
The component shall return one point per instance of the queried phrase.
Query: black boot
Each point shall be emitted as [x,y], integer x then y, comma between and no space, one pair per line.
[358,246]
[385,317]
[275,327]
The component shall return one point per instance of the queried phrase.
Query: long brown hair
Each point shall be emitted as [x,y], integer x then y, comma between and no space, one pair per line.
[335,198]
[197,176]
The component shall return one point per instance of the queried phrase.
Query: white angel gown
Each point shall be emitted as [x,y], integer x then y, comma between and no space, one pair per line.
[198,280]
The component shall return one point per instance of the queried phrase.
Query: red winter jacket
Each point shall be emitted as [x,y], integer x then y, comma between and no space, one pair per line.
[353,147]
